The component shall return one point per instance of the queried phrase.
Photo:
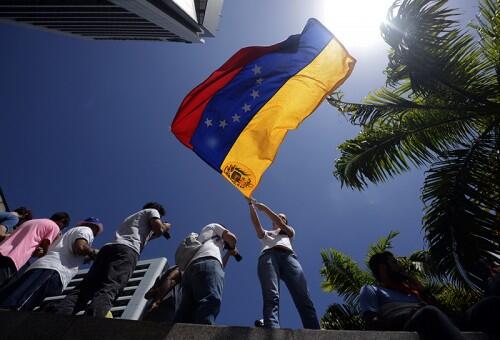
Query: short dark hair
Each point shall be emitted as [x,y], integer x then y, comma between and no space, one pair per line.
[377,259]
[155,205]
[25,213]
[61,216]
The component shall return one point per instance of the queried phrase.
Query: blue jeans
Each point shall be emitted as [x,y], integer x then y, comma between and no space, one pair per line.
[30,289]
[277,264]
[7,270]
[202,285]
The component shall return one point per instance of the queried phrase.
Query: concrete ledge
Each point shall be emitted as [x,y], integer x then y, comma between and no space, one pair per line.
[40,326]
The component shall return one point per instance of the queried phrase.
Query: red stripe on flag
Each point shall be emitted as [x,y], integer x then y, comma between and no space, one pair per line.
[191,110]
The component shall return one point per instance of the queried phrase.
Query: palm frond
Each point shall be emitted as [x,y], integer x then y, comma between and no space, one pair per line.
[456,299]
[381,103]
[386,106]
[383,151]
[461,218]
[488,29]
[431,51]
[440,87]
[342,274]
[342,316]
[382,244]
[429,269]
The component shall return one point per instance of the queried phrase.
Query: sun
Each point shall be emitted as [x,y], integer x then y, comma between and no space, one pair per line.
[356,23]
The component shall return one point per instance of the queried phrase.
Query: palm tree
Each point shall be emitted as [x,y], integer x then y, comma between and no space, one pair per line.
[440,109]
[345,277]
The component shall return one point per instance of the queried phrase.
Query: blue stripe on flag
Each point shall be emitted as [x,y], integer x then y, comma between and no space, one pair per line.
[230,110]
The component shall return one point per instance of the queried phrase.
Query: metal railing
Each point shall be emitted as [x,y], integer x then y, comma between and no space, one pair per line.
[130,304]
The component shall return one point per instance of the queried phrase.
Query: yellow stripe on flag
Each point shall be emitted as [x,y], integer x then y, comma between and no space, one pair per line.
[257,145]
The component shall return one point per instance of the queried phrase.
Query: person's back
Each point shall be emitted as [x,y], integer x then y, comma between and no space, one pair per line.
[61,256]
[135,231]
[213,244]
[21,244]
[51,274]
[203,277]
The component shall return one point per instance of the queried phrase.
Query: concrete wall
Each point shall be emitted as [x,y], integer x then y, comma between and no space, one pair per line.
[40,326]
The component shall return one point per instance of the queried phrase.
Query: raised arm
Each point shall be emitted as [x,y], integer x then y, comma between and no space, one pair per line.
[225,259]
[163,287]
[158,226]
[229,238]
[81,247]
[255,219]
[227,255]
[275,218]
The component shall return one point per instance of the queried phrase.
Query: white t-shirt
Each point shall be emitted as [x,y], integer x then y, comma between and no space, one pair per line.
[60,256]
[214,245]
[135,231]
[274,238]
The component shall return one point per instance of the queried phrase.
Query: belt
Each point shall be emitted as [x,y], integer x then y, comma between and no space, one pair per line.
[204,258]
[278,249]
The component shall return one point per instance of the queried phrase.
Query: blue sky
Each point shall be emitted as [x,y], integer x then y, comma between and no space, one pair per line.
[85,129]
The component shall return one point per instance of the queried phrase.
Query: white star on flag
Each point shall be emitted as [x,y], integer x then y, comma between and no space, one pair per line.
[246,107]
[254,94]
[236,118]
[256,69]
[222,123]
[208,122]
[259,81]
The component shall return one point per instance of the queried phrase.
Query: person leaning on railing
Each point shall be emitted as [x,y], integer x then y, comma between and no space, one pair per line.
[51,274]
[114,264]
[32,238]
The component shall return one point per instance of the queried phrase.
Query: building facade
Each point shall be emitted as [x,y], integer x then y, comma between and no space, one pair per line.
[163,20]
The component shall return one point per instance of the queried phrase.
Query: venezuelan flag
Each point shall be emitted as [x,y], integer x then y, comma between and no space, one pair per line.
[237,118]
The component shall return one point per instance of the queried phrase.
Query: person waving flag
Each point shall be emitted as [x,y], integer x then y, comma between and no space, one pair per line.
[238,117]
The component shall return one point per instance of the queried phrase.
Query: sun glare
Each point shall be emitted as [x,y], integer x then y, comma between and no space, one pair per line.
[355,22]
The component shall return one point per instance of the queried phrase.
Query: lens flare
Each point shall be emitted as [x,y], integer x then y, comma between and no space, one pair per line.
[356,23]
